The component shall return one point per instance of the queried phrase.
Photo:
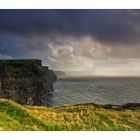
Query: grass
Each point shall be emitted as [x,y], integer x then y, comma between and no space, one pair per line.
[77,117]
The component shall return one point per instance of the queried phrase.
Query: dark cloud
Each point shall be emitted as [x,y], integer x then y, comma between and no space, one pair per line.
[73,39]
[107,26]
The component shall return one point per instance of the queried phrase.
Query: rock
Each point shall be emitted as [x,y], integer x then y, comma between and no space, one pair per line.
[25,81]
[60,74]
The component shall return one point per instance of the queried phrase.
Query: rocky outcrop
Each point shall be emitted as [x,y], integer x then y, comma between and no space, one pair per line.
[25,81]
[60,74]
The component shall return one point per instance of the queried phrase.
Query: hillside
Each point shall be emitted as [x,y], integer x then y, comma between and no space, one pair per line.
[77,117]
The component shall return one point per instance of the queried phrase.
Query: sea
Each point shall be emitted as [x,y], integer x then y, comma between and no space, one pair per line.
[101,90]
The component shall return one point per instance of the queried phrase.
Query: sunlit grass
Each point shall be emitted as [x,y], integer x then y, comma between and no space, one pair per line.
[90,117]
[78,117]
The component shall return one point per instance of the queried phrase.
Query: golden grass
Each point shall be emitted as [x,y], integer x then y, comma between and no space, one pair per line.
[89,117]
[76,117]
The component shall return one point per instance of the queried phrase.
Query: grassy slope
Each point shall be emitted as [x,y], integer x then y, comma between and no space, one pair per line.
[78,117]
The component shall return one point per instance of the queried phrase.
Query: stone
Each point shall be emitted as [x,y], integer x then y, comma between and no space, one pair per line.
[26,81]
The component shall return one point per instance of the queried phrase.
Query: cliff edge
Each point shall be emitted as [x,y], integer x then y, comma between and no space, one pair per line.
[26,81]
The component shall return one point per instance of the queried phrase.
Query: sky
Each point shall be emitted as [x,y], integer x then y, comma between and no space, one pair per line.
[104,42]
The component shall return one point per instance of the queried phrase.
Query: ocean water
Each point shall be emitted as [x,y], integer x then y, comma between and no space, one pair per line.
[95,90]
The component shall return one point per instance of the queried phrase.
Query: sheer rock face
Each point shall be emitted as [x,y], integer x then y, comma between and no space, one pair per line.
[25,81]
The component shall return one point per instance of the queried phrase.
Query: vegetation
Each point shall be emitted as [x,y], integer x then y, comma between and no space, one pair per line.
[77,117]
[22,67]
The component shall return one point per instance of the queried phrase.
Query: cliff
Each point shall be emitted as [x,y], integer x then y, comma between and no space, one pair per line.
[60,74]
[25,81]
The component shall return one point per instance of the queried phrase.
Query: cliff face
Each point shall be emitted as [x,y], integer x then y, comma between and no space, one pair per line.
[25,81]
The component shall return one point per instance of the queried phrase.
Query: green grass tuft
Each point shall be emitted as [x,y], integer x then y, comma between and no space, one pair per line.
[77,117]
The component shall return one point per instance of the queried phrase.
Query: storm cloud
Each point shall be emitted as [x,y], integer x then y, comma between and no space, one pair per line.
[92,40]
[119,26]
